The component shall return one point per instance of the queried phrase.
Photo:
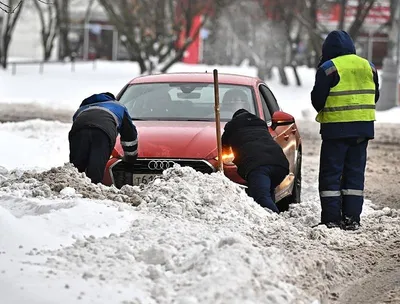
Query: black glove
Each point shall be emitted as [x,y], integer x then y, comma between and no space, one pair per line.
[129,159]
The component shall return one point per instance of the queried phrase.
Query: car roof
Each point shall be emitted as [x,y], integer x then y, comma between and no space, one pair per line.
[206,77]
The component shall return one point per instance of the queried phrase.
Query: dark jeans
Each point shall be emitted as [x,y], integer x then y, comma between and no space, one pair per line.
[341,178]
[90,149]
[262,182]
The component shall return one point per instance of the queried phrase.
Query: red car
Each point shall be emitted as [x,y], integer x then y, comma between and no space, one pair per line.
[174,115]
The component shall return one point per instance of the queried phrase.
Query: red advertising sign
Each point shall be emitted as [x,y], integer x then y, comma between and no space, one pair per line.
[192,53]
[378,14]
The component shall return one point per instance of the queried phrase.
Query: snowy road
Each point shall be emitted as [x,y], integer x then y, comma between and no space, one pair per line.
[380,281]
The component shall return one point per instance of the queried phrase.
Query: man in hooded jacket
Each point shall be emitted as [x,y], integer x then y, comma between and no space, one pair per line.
[92,137]
[345,92]
[258,157]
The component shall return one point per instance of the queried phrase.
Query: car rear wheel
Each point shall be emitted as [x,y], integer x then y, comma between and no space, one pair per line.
[295,196]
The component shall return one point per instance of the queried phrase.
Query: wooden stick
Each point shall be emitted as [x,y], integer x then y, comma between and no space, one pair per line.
[218,122]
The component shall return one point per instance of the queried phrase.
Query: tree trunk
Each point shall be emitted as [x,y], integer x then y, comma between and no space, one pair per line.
[7,32]
[177,58]
[343,4]
[142,65]
[47,53]
[282,74]
[63,22]
[315,41]
[362,13]
[296,75]
[4,58]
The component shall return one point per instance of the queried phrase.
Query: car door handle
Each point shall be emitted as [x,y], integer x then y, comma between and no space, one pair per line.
[286,137]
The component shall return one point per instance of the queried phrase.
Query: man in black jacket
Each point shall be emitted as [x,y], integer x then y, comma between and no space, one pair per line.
[259,159]
[94,131]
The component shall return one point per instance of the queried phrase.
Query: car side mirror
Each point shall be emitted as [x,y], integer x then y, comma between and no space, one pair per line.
[280,118]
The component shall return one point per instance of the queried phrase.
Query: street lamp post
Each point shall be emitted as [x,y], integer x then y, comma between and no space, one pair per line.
[389,91]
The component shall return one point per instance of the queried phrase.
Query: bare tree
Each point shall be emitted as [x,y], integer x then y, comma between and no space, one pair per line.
[12,10]
[343,4]
[308,18]
[49,25]
[10,7]
[363,9]
[284,11]
[62,11]
[158,32]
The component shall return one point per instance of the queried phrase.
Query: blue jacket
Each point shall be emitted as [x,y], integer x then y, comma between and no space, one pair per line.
[338,43]
[104,112]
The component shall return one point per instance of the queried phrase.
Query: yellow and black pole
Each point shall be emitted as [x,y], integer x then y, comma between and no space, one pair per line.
[218,122]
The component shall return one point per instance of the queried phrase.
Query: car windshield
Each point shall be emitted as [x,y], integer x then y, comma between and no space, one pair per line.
[185,101]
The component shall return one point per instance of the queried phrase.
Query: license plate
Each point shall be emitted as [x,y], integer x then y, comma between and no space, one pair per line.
[143,178]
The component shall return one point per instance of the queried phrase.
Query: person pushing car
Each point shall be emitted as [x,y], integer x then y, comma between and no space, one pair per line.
[258,157]
[94,130]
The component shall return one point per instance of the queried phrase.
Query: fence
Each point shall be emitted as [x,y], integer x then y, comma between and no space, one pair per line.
[42,63]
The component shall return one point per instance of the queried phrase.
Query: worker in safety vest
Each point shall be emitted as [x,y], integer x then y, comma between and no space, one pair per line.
[344,95]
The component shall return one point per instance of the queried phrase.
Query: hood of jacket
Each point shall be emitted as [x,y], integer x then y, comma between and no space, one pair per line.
[97,98]
[337,43]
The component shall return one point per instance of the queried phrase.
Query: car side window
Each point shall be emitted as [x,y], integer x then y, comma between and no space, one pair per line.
[267,114]
[270,98]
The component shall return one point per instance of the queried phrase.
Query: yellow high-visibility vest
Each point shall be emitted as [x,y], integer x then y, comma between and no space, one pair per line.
[353,98]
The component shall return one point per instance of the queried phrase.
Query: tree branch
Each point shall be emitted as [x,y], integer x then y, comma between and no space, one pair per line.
[9,7]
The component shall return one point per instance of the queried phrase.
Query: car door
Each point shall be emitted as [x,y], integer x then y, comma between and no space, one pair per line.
[285,136]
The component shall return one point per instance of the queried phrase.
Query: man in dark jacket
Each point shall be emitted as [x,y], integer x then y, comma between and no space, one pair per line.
[93,134]
[344,95]
[259,159]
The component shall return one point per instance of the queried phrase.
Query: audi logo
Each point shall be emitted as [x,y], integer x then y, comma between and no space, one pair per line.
[160,164]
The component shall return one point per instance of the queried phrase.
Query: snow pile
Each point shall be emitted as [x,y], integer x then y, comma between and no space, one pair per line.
[63,182]
[193,238]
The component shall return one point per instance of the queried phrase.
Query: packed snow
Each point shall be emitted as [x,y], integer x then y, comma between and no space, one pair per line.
[184,238]
[177,240]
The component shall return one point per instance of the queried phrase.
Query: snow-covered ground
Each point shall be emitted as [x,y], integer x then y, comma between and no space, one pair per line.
[185,238]
[60,87]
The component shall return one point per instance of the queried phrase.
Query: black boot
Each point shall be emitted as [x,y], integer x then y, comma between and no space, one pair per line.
[350,224]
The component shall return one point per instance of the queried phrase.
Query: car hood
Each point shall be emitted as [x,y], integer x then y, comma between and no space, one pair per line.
[176,139]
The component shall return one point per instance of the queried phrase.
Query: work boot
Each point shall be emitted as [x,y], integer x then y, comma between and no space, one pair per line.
[350,224]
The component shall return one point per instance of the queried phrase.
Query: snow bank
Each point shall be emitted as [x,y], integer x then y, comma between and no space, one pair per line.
[192,238]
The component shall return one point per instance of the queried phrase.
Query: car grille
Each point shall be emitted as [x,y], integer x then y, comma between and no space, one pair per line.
[122,172]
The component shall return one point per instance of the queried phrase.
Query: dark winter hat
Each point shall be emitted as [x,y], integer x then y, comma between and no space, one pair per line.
[239,112]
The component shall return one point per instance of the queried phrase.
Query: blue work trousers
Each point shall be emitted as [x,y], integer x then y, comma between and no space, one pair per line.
[341,178]
[262,182]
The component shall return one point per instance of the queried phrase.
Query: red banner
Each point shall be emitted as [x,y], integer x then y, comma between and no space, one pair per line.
[379,13]
[192,53]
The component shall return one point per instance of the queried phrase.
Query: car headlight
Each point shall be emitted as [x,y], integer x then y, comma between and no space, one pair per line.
[227,159]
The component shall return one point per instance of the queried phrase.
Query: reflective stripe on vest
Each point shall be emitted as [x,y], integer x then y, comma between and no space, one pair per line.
[353,98]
